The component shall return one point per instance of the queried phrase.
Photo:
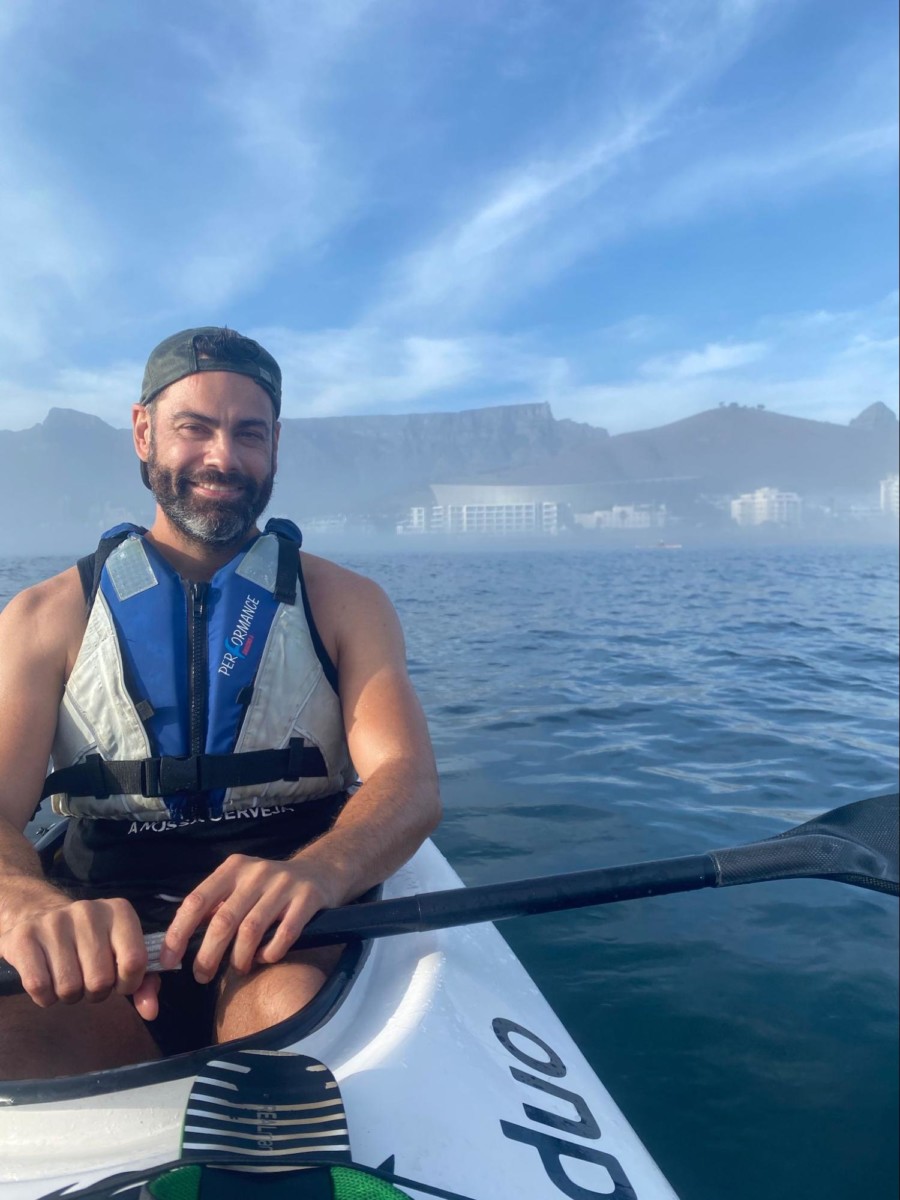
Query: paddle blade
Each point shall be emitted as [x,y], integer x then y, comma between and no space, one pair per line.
[857,844]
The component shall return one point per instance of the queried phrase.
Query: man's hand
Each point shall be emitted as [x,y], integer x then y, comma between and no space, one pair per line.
[243,898]
[67,951]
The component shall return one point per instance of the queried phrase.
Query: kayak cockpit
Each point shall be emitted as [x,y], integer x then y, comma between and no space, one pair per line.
[292,1030]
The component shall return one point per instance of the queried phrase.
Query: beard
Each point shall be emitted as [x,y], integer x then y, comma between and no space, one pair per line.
[207,522]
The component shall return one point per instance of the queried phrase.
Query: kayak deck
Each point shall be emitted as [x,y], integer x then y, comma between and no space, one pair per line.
[450,1063]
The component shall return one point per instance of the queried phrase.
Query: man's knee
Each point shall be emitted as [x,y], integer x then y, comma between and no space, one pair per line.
[269,994]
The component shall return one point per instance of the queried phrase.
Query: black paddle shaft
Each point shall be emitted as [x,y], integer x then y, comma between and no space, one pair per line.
[855,844]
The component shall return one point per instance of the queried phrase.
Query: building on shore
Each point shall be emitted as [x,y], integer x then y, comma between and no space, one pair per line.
[767,506]
[503,520]
[624,516]
[890,495]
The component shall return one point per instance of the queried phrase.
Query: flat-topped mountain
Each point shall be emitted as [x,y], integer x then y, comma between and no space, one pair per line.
[72,475]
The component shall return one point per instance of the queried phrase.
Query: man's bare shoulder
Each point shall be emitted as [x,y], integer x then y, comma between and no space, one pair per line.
[334,584]
[52,612]
[341,600]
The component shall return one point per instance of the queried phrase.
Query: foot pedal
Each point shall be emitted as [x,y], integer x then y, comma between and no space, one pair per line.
[274,1107]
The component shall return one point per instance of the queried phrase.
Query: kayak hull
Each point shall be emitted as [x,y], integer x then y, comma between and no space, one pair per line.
[451,1064]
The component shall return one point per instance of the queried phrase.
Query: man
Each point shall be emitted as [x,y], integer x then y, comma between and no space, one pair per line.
[141,719]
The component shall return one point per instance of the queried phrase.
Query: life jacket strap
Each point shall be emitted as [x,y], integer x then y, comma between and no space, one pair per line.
[90,568]
[169,776]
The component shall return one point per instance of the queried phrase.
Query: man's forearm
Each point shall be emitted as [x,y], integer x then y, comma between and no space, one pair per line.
[21,875]
[380,827]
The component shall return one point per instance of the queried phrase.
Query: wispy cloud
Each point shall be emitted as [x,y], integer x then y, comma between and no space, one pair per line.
[540,217]
[288,184]
[52,252]
[107,393]
[823,365]
[368,370]
[423,208]
[771,175]
[712,358]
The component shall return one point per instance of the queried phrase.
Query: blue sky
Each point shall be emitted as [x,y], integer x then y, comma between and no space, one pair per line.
[632,209]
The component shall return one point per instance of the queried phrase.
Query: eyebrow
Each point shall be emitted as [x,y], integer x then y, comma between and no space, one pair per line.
[245,423]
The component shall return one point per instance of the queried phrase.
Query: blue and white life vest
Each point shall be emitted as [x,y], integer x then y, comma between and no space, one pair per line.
[194,699]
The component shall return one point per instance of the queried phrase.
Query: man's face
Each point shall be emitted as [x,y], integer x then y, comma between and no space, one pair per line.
[209,443]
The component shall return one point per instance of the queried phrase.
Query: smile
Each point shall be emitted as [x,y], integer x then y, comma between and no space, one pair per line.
[219,491]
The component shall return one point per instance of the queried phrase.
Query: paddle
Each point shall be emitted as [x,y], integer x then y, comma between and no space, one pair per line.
[855,844]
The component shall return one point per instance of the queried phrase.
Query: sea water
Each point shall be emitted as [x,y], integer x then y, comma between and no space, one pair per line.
[601,707]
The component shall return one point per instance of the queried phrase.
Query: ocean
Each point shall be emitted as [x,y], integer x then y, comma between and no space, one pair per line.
[599,707]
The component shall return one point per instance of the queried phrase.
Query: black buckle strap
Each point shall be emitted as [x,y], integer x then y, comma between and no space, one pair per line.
[168,776]
[171,776]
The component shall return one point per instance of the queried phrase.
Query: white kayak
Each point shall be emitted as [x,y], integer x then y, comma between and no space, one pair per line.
[453,1070]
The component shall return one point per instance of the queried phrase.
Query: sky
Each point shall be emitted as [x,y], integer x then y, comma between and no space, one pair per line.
[634,210]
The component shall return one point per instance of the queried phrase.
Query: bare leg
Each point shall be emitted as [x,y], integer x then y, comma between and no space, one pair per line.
[44,1043]
[249,1003]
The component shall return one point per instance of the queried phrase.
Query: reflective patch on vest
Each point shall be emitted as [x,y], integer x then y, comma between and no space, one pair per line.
[260,563]
[129,569]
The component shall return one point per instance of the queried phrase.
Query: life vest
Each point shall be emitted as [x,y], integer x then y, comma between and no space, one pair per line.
[194,699]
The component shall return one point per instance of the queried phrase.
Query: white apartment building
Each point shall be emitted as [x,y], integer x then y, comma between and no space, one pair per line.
[890,495]
[489,519]
[767,506]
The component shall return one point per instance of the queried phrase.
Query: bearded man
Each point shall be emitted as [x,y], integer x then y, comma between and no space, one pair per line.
[211,697]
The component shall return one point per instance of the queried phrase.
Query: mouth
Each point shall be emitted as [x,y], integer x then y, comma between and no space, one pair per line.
[218,491]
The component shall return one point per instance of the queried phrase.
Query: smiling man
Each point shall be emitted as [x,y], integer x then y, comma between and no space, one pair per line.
[211,697]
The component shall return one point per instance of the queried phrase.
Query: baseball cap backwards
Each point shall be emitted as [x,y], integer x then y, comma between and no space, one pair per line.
[210,349]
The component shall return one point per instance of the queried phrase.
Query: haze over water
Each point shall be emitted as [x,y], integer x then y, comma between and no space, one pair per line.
[606,707]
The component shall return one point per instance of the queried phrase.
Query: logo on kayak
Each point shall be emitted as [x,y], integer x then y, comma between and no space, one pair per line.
[238,643]
[603,1177]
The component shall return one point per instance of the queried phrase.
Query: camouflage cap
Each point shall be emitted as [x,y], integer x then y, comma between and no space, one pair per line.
[178,356]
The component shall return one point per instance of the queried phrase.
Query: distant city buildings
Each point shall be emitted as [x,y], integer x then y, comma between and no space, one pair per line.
[767,506]
[624,516]
[536,516]
[890,495]
[505,510]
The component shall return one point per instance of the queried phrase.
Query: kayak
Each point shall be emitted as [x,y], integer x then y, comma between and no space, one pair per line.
[454,1073]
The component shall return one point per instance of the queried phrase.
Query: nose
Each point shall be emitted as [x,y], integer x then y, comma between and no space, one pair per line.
[222,452]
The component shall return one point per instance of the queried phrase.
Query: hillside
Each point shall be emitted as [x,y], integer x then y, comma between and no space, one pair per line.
[73,475]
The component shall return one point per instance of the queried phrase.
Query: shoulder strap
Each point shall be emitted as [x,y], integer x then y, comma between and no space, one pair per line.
[90,568]
[290,539]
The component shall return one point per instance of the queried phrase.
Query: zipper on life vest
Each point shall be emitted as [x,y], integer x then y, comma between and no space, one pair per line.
[197,683]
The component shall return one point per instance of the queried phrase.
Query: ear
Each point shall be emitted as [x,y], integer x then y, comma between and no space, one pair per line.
[276,433]
[140,428]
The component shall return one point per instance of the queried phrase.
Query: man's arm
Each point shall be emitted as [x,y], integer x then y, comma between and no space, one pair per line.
[64,950]
[381,825]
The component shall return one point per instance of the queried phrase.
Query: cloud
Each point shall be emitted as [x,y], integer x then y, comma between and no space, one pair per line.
[53,254]
[712,358]
[107,393]
[772,175]
[287,183]
[655,157]
[372,370]
[824,366]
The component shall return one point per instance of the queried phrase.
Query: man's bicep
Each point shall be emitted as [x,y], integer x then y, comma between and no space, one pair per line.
[382,714]
[31,681]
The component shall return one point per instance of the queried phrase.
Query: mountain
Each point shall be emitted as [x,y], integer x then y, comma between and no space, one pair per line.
[357,464]
[877,418]
[734,449]
[69,477]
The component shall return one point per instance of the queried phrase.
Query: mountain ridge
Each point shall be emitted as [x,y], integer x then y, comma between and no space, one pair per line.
[76,475]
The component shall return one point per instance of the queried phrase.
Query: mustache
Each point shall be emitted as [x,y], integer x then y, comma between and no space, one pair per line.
[217,478]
